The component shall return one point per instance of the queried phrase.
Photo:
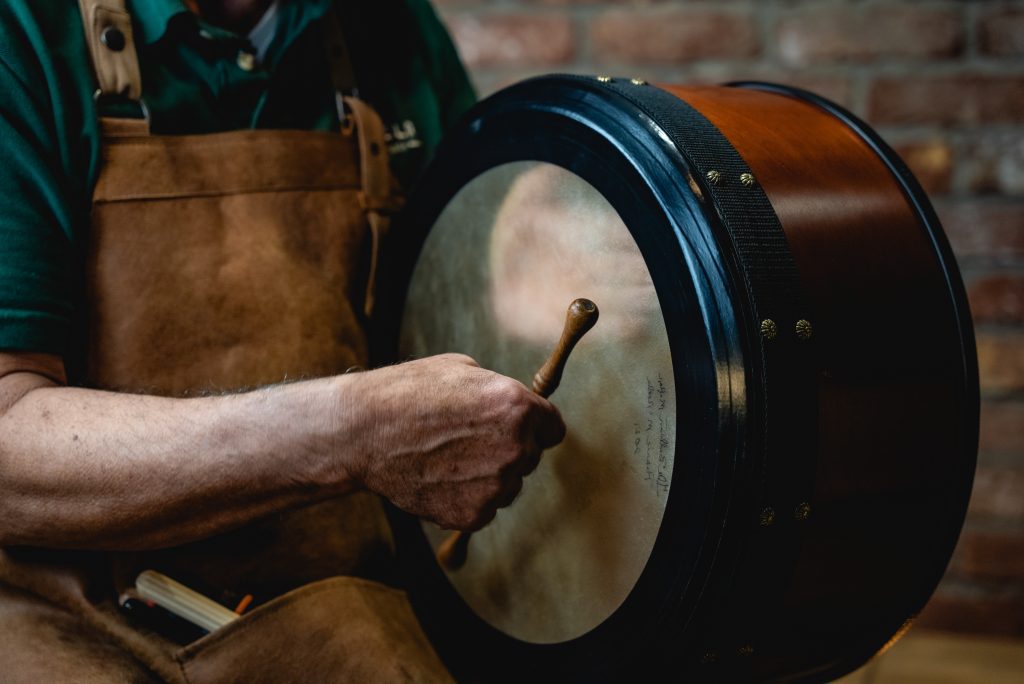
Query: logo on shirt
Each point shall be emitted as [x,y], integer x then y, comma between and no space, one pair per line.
[401,137]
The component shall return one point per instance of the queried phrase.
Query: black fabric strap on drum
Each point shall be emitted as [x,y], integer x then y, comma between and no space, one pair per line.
[744,611]
[772,278]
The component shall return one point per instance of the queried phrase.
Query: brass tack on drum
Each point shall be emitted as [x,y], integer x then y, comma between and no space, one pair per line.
[803,511]
[804,329]
[747,179]
[745,651]
[638,81]
[768,329]
[604,79]
[714,177]
[767,516]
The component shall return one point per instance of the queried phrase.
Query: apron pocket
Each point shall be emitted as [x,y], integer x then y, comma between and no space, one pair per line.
[342,629]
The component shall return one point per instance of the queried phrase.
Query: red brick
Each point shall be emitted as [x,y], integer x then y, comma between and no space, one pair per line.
[669,35]
[1001,362]
[990,230]
[998,494]
[488,82]
[1001,32]
[562,3]
[992,556]
[993,162]
[996,616]
[843,33]
[506,39]
[1002,430]
[931,161]
[947,100]
[997,299]
[608,3]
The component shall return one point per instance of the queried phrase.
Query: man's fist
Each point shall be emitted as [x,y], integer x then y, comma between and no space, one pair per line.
[450,441]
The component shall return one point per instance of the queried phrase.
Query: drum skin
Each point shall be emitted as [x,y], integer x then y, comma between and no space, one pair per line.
[766,567]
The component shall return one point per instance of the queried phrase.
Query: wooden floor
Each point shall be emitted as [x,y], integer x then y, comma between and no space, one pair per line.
[938,658]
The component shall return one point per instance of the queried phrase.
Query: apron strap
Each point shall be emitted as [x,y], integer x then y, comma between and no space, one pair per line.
[378,197]
[108,33]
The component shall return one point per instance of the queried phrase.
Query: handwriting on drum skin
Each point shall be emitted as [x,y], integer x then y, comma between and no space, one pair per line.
[650,438]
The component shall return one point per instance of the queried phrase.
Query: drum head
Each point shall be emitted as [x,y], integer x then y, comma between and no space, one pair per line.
[567,553]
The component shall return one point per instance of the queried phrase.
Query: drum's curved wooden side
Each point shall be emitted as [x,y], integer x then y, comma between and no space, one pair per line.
[897,383]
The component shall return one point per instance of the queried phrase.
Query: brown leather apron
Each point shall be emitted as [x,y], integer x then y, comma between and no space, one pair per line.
[216,263]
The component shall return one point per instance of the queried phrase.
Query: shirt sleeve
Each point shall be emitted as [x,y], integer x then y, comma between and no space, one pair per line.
[37,270]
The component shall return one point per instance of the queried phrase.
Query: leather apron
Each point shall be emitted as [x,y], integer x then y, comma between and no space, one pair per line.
[217,263]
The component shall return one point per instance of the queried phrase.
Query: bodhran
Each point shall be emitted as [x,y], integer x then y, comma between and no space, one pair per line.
[772,427]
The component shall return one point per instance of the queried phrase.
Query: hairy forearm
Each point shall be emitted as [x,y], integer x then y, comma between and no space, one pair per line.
[439,437]
[89,469]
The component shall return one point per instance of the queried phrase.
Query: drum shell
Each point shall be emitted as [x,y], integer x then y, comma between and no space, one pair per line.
[896,385]
[897,373]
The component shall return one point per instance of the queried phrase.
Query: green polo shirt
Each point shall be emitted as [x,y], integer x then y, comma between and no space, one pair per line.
[193,82]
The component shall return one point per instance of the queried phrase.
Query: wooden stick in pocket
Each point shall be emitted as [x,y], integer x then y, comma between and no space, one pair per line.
[182,601]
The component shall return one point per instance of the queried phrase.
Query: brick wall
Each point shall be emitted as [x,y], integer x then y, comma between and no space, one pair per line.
[943,82]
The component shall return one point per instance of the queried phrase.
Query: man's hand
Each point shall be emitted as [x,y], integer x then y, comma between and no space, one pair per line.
[450,441]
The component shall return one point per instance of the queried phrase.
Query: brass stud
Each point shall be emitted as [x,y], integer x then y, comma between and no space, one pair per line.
[714,177]
[709,657]
[768,329]
[746,650]
[747,179]
[604,79]
[803,511]
[804,329]
[767,516]
[638,81]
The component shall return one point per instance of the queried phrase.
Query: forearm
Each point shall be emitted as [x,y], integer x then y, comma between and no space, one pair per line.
[439,437]
[90,469]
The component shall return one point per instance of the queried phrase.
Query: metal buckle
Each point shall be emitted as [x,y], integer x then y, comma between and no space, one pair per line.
[344,116]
